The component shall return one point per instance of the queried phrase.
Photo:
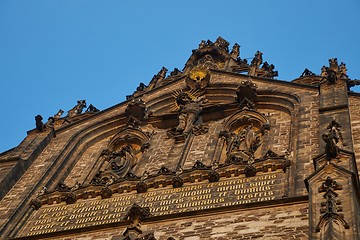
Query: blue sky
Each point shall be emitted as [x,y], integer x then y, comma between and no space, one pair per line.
[53,53]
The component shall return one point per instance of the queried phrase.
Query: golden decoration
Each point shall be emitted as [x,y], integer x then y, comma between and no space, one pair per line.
[192,93]
[198,73]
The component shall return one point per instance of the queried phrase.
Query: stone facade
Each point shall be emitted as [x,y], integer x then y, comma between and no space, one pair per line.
[219,150]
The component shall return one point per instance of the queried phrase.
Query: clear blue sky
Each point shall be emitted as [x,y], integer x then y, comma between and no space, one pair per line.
[53,53]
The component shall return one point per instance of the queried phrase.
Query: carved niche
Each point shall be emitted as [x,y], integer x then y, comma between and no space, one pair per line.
[244,135]
[122,154]
[189,107]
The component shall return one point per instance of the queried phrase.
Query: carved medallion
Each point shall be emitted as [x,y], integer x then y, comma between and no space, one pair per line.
[198,78]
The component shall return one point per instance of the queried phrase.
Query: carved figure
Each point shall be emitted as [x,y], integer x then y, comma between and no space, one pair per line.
[189,112]
[39,124]
[331,75]
[124,160]
[331,139]
[208,62]
[246,140]
[242,144]
[81,104]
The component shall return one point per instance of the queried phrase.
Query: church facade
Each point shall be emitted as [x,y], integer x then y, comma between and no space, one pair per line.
[217,150]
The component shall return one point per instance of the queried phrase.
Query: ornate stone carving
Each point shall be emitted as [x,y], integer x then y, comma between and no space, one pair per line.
[242,144]
[332,139]
[137,213]
[255,63]
[118,164]
[331,207]
[268,70]
[77,109]
[137,109]
[214,176]
[177,182]
[329,183]
[189,107]
[157,78]
[246,94]
[141,187]
[106,192]
[198,78]
[250,171]
[222,44]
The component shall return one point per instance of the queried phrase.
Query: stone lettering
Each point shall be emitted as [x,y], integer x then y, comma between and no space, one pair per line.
[197,197]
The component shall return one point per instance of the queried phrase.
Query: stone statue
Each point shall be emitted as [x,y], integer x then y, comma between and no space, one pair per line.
[189,111]
[39,124]
[332,139]
[81,104]
[331,76]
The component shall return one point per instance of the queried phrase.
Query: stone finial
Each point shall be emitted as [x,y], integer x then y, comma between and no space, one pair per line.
[77,109]
[235,52]
[307,72]
[92,109]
